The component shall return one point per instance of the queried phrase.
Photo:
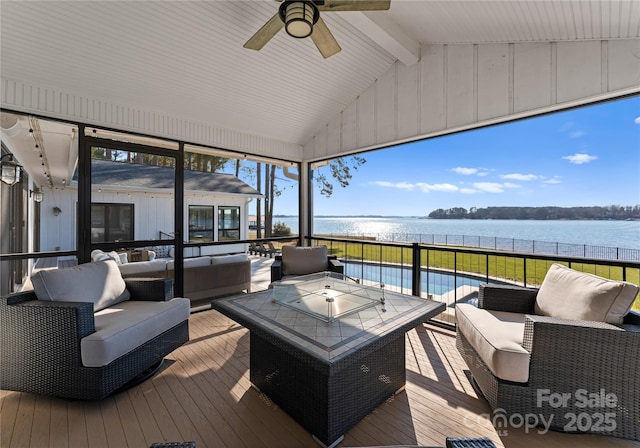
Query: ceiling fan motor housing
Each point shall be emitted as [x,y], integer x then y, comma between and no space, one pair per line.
[299,17]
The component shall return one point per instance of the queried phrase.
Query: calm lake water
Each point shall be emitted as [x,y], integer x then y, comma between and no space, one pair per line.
[624,234]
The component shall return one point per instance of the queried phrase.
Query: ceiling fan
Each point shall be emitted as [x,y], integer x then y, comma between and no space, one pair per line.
[302,19]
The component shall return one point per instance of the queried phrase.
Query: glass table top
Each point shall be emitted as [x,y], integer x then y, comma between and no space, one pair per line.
[327,295]
[331,322]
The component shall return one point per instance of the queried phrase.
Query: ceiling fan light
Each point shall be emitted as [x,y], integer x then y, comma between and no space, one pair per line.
[299,18]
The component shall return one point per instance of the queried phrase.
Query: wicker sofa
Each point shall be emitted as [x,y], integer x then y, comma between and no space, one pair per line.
[204,277]
[566,355]
[85,332]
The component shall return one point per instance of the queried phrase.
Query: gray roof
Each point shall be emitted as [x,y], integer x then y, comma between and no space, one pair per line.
[105,172]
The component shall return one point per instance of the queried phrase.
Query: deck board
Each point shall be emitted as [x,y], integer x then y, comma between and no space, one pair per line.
[203,394]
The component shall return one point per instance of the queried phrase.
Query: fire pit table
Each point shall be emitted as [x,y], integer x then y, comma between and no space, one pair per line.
[327,349]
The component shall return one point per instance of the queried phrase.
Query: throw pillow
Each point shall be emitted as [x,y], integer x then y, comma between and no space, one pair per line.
[569,294]
[303,260]
[161,251]
[116,257]
[97,255]
[100,283]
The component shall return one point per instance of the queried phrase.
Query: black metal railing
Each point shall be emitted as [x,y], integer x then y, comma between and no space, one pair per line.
[507,244]
[452,274]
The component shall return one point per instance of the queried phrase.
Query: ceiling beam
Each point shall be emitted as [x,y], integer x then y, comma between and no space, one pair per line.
[386,33]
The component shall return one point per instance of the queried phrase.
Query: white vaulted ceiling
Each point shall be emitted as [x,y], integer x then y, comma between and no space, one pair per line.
[156,66]
[186,59]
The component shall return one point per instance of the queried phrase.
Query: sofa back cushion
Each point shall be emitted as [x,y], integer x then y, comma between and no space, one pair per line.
[155,268]
[100,283]
[303,260]
[191,263]
[569,294]
[226,259]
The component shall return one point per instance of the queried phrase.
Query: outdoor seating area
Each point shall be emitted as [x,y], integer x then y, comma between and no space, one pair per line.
[205,277]
[263,249]
[202,393]
[198,250]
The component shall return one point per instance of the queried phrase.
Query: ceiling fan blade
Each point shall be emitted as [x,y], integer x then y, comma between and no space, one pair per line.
[324,40]
[265,34]
[355,5]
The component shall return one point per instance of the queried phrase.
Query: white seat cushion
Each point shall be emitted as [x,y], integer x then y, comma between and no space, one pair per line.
[123,327]
[100,283]
[569,294]
[497,338]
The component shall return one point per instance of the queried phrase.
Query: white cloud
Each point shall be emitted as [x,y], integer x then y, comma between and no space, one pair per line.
[465,171]
[554,180]
[579,159]
[478,187]
[637,120]
[576,134]
[483,174]
[518,176]
[447,188]
[489,187]
[400,185]
[420,185]
[494,187]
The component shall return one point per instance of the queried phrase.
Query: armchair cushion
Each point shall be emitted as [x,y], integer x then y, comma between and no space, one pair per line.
[100,283]
[122,328]
[298,260]
[569,294]
[497,337]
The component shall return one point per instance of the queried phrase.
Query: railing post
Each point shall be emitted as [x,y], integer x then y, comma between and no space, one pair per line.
[361,260]
[487,266]
[415,268]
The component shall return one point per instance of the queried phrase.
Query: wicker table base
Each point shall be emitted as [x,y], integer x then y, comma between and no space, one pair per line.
[327,401]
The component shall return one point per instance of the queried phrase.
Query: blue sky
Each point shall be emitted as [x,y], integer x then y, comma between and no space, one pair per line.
[583,157]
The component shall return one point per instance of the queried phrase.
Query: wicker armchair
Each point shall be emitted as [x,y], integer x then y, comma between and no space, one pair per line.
[296,261]
[583,375]
[41,345]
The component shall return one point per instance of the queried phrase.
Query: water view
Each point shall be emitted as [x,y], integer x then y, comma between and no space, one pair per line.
[624,234]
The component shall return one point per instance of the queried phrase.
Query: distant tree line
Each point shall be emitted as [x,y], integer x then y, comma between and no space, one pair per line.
[616,212]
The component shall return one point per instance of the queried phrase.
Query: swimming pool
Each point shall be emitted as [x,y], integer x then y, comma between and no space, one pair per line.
[433,282]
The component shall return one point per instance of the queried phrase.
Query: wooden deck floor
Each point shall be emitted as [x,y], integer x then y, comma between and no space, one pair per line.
[203,395]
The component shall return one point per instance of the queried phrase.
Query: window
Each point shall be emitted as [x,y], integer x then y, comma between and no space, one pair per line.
[200,223]
[111,222]
[228,223]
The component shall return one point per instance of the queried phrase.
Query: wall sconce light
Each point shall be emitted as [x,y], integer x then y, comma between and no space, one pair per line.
[57,210]
[10,169]
[37,195]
